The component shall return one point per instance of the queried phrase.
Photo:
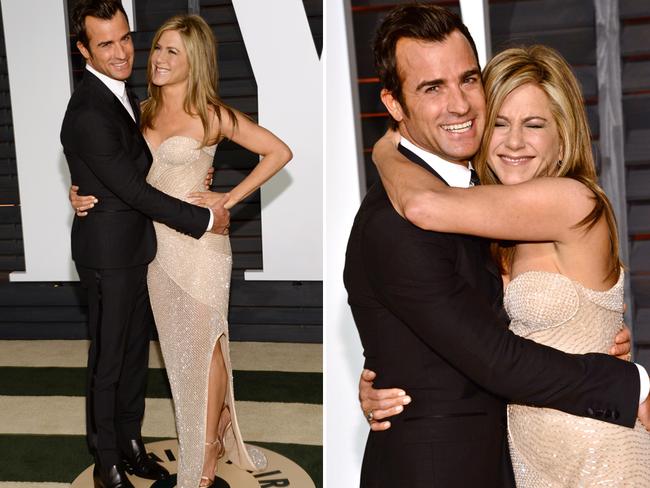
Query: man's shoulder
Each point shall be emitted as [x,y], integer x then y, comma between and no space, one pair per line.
[88,110]
[377,218]
[86,96]
[82,115]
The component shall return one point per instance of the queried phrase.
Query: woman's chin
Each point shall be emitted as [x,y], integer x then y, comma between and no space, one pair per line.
[512,179]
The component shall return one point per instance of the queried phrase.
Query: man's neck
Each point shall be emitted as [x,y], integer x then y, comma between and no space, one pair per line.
[455,174]
[416,148]
[101,75]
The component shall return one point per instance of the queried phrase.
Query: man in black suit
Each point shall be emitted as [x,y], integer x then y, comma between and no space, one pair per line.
[112,246]
[428,305]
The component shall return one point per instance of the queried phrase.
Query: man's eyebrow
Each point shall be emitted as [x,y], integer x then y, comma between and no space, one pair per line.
[104,43]
[429,83]
[440,81]
[471,72]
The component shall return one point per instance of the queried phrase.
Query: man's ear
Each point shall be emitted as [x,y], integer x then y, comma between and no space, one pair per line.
[392,105]
[82,49]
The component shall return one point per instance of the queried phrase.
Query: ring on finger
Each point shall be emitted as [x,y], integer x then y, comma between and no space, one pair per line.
[369,416]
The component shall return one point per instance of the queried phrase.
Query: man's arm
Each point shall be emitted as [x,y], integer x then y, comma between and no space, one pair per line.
[387,402]
[414,277]
[219,224]
[98,144]
[82,203]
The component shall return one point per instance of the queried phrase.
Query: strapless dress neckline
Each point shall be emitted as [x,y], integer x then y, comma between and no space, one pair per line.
[563,277]
[178,136]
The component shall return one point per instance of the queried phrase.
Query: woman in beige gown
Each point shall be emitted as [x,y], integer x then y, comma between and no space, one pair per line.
[559,251]
[189,280]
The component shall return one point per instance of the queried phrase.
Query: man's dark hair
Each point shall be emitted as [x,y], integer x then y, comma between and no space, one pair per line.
[102,9]
[415,21]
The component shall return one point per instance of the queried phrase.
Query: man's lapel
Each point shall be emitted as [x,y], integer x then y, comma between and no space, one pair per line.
[419,161]
[489,262]
[135,104]
[102,91]
[110,98]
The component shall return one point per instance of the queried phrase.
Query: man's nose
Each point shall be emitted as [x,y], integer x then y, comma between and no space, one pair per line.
[120,52]
[457,102]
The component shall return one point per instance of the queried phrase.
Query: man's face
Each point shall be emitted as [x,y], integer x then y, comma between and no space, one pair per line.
[443,95]
[110,47]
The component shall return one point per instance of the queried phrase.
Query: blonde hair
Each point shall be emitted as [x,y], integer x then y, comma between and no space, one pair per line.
[548,70]
[202,93]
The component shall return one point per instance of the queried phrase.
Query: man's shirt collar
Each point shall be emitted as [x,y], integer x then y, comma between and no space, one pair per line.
[117,87]
[454,174]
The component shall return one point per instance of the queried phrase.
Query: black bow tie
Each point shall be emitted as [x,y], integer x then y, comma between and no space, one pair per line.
[474,178]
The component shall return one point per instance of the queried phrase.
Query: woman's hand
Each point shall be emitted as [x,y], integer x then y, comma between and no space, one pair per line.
[209,199]
[406,183]
[385,148]
[81,204]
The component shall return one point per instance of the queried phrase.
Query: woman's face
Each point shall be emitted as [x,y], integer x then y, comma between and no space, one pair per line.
[525,142]
[169,60]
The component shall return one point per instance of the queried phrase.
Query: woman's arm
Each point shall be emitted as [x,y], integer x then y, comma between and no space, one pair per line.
[543,209]
[402,179]
[275,154]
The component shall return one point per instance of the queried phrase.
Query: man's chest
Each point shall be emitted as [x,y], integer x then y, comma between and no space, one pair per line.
[475,265]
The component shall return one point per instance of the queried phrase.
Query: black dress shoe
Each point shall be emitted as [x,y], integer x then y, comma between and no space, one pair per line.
[111,477]
[137,462]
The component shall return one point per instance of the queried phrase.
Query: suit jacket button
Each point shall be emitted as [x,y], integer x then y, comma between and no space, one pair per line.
[590,411]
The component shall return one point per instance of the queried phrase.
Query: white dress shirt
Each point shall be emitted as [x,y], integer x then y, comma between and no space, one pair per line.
[454,174]
[118,88]
[459,176]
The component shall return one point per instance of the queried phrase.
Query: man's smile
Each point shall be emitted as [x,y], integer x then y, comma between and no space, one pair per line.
[459,128]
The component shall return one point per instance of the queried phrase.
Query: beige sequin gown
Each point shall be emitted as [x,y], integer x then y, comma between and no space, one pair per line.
[550,448]
[189,283]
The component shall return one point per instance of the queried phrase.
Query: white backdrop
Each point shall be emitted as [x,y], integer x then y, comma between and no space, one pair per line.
[39,84]
[290,98]
[288,75]
[345,427]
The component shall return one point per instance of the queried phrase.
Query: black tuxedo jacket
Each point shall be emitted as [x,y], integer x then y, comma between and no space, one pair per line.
[109,158]
[427,306]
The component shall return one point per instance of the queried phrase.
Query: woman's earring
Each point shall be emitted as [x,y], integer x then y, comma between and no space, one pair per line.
[559,163]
